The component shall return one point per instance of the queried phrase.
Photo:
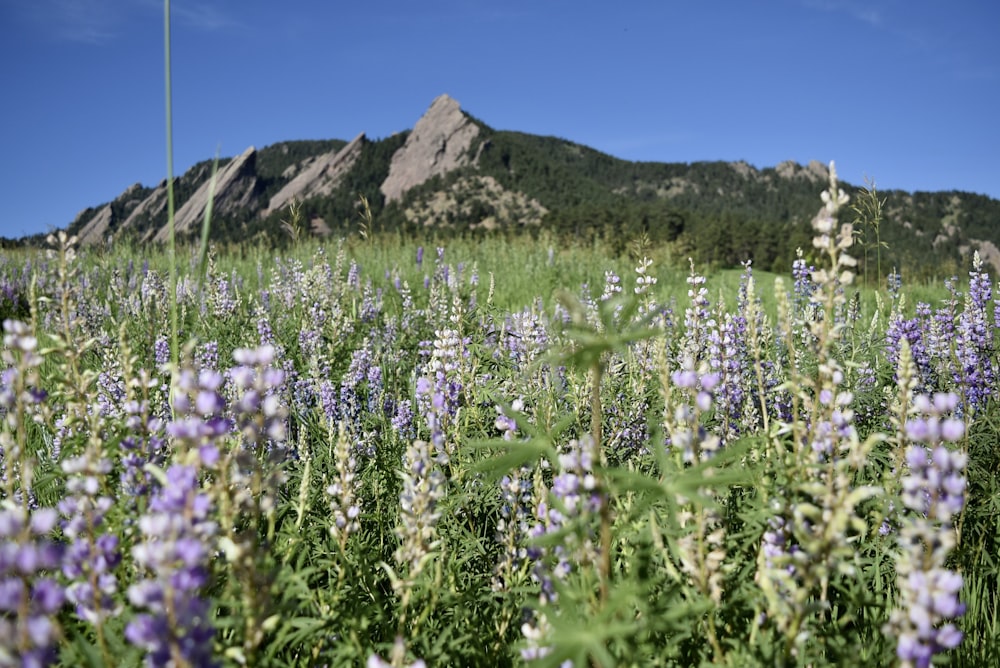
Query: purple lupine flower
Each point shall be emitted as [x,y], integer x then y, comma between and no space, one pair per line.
[408,310]
[110,391]
[697,318]
[220,298]
[30,597]
[376,388]
[776,547]
[318,316]
[423,488]
[199,420]
[612,285]
[803,287]
[574,493]
[894,283]
[516,490]
[439,389]
[940,338]
[352,387]
[975,374]
[505,423]
[402,420]
[328,400]
[259,413]
[310,343]
[259,418]
[161,352]
[865,383]
[913,330]
[440,286]
[778,560]
[513,526]
[536,631]
[371,303]
[92,554]
[19,382]
[345,501]
[21,397]
[526,338]
[152,290]
[420,255]
[174,557]
[934,491]
[143,443]
[826,435]
[207,356]
[354,276]
[686,431]
[304,395]
[729,358]
[264,331]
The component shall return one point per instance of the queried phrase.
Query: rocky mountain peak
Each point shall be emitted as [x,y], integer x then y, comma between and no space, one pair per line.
[439,143]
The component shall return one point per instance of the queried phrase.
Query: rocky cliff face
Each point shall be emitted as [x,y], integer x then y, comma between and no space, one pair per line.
[320,177]
[101,226]
[95,230]
[439,143]
[235,190]
[150,207]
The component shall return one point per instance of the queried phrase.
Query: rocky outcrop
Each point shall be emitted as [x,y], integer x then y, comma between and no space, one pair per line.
[320,177]
[815,171]
[99,226]
[148,208]
[989,253]
[743,168]
[95,229]
[235,190]
[439,143]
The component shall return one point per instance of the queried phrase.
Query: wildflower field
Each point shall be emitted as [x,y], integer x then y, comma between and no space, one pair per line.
[376,453]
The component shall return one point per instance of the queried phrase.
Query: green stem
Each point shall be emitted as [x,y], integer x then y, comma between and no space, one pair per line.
[174,351]
[595,432]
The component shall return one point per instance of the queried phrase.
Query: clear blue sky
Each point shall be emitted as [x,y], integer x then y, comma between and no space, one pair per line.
[904,91]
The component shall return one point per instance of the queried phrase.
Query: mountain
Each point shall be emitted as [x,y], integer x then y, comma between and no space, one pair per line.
[452,173]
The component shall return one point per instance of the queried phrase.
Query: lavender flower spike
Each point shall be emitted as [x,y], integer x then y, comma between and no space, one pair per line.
[934,492]
[423,487]
[174,555]
[29,598]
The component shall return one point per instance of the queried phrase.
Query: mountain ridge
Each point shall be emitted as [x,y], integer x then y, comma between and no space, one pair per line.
[454,173]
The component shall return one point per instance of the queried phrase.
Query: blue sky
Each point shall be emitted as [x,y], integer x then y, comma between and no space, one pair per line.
[903,91]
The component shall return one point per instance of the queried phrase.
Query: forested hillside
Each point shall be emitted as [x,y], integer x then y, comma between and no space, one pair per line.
[720,214]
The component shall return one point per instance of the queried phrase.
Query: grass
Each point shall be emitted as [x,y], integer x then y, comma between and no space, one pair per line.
[664,516]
